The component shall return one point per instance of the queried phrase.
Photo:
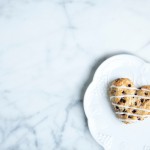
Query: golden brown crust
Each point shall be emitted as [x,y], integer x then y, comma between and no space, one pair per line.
[139,99]
[123,82]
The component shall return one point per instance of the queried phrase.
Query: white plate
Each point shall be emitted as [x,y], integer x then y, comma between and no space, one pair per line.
[106,129]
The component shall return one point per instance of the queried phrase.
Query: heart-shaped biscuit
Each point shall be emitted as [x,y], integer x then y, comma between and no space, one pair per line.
[130,103]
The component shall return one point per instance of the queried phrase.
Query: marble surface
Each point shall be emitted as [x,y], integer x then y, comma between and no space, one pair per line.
[49,51]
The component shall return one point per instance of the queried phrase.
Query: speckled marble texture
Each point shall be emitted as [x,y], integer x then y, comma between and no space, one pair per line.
[49,51]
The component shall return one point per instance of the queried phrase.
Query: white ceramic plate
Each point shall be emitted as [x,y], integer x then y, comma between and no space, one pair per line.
[106,129]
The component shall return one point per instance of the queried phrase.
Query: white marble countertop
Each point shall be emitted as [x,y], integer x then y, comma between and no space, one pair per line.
[49,51]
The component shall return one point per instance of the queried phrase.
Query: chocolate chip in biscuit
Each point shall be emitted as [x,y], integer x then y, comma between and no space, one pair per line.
[129,85]
[117,107]
[123,92]
[134,111]
[122,100]
[124,110]
[142,100]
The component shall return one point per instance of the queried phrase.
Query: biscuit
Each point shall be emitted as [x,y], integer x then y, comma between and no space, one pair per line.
[130,103]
